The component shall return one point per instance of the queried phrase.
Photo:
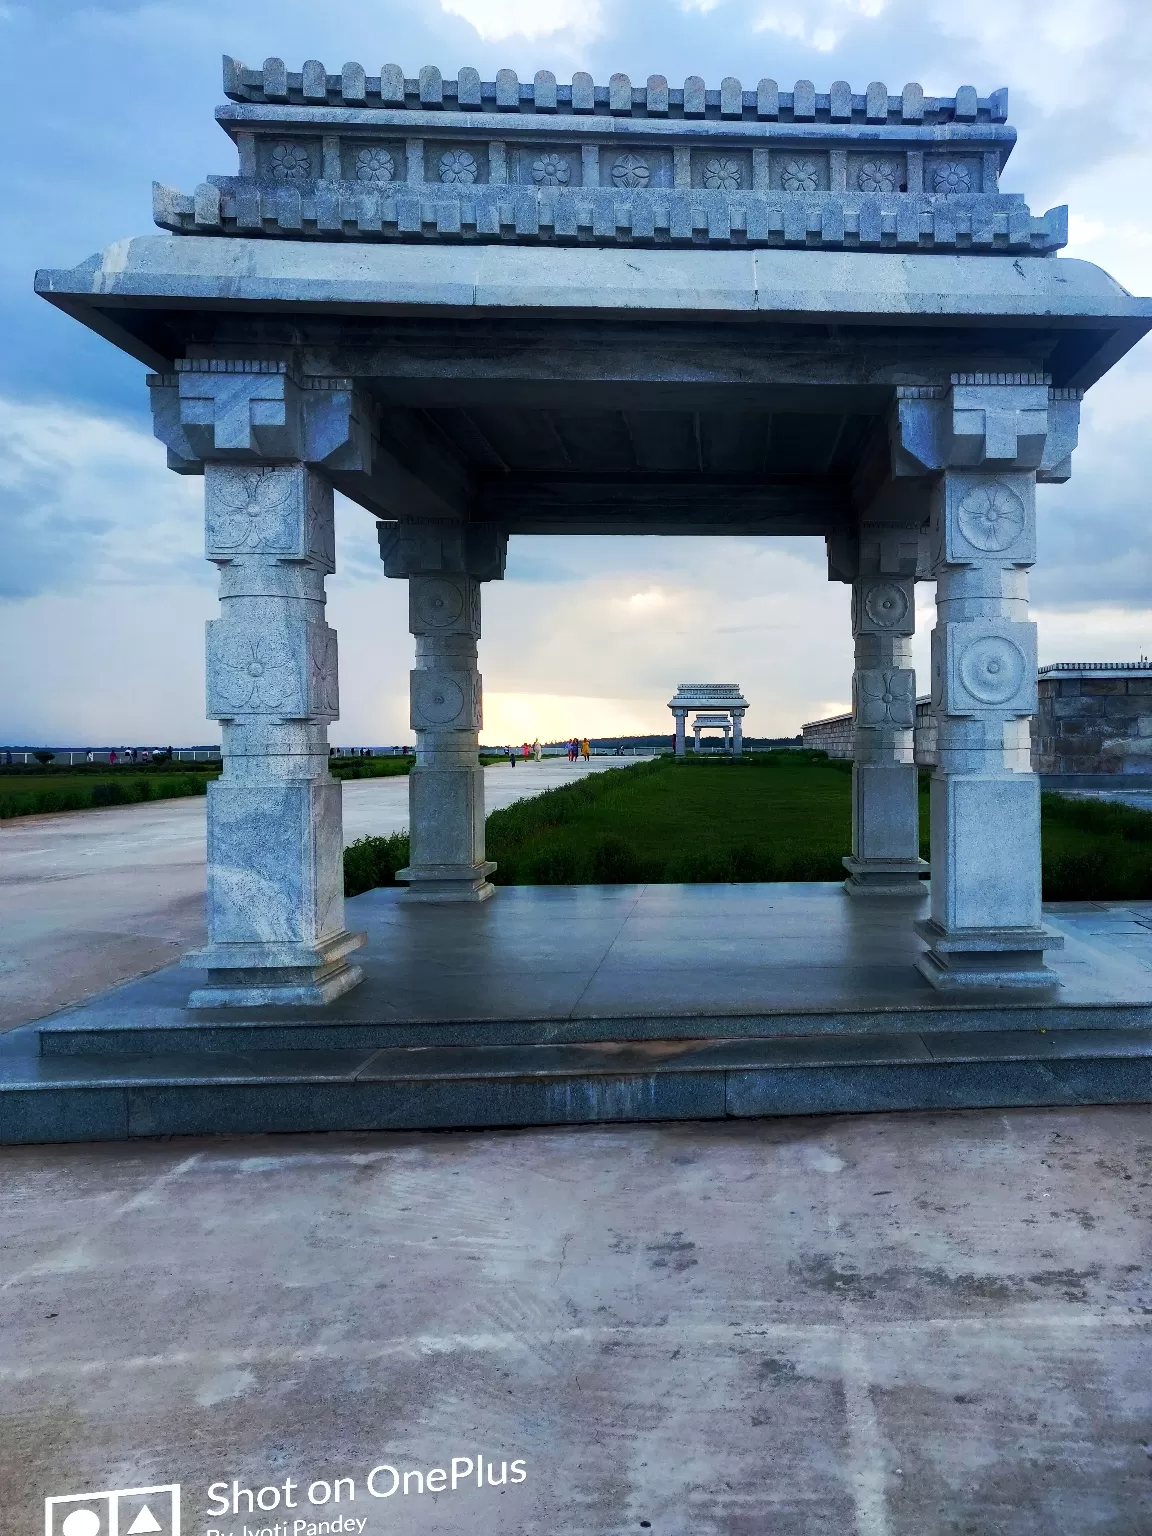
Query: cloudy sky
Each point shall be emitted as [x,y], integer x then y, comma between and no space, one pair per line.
[102,587]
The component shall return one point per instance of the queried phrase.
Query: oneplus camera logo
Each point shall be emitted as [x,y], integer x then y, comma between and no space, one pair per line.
[118,1512]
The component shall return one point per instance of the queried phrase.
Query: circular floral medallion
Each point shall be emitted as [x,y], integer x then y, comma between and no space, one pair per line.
[992,669]
[551,171]
[877,176]
[631,171]
[722,175]
[458,165]
[800,176]
[437,602]
[951,176]
[290,162]
[374,165]
[886,604]
[440,700]
[991,517]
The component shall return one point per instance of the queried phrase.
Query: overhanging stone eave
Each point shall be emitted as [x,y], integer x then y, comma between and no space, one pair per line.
[182,273]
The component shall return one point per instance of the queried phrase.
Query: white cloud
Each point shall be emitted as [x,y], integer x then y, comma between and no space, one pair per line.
[496,20]
[88,500]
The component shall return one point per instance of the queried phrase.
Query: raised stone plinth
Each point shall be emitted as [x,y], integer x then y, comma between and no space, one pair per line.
[553,1005]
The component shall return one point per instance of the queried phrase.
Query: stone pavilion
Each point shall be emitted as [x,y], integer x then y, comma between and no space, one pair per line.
[480,309]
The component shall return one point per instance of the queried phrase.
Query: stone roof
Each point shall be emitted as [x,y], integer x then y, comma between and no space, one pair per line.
[708,696]
[359,156]
[1069,669]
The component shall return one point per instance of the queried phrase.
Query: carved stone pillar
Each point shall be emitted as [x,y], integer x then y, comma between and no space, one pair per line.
[276,931]
[881,563]
[679,715]
[445,567]
[990,436]
[737,732]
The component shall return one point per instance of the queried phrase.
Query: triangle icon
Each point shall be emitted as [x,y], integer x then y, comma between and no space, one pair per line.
[144,1521]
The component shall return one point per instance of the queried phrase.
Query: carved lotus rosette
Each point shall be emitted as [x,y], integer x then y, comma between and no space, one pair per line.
[883,697]
[878,176]
[951,177]
[551,171]
[289,162]
[991,517]
[800,175]
[723,175]
[458,166]
[374,165]
[254,511]
[253,674]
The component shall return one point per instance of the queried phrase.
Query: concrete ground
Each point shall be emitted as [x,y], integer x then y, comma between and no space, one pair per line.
[893,1325]
[92,898]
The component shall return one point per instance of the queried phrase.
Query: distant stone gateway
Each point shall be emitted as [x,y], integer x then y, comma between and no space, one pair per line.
[481,309]
[717,706]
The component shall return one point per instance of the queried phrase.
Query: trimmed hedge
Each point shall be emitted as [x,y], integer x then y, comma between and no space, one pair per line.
[132,789]
[373,861]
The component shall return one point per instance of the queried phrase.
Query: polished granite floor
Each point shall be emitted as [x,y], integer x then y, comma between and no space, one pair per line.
[600,962]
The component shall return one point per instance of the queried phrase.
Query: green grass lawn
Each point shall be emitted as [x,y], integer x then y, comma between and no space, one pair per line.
[777,816]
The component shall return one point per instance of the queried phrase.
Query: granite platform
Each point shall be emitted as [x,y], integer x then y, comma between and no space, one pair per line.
[562,1005]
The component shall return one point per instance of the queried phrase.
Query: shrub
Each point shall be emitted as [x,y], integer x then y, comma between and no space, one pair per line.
[615,862]
[555,866]
[373,861]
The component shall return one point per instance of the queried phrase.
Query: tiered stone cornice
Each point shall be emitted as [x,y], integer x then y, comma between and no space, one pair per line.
[388,157]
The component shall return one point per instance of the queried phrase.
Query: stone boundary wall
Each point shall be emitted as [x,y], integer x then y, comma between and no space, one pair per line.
[834,735]
[1094,718]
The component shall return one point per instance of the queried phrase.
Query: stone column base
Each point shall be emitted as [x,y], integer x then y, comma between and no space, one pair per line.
[276,975]
[885,877]
[1004,959]
[448,882]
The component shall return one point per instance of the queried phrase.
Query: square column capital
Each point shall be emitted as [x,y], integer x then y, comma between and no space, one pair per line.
[214,409]
[877,549]
[408,549]
[985,421]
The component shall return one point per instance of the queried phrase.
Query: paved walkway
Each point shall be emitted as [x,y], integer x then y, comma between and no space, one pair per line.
[91,898]
[881,1325]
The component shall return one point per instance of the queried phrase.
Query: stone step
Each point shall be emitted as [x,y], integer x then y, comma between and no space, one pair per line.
[45,1098]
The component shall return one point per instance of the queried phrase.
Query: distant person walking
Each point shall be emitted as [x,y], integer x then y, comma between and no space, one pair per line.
[512,756]
[112,755]
[586,749]
[537,752]
[527,750]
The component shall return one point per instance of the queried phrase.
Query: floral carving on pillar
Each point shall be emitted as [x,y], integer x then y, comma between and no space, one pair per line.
[253,510]
[251,674]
